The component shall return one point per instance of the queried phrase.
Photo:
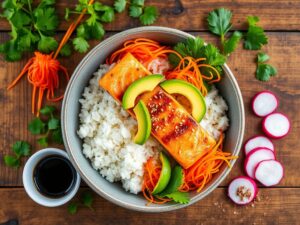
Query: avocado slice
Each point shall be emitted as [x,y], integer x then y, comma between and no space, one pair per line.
[165,174]
[144,123]
[147,83]
[175,86]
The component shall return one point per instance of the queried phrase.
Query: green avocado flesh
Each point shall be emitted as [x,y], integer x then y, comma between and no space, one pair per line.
[144,123]
[147,83]
[188,90]
[165,174]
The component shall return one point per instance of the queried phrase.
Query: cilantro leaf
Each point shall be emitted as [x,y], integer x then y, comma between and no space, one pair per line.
[11,161]
[46,19]
[20,19]
[108,14]
[96,31]
[265,71]
[47,110]
[10,50]
[80,44]
[135,11]
[180,197]
[255,37]
[262,57]
[120,5]
[149,15]
[43,141]
[66,50]
[213,56]
[87,199]
[36,126]
[53,124]
[219,21]
[21,148]
[72,208]
[57,136]
[138,2]
[47,44]
[231,44]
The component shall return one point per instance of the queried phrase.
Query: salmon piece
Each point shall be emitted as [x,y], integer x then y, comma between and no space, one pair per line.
[124,73]
[175,128]
[172,125]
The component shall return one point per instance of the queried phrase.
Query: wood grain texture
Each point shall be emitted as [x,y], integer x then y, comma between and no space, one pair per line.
[191,14]
[214,209]
[284,50]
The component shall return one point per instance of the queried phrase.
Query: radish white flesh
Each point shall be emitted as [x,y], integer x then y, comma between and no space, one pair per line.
[258,142]
[269,172]
[255,157]
[242,190]
[264,103]
[276,125]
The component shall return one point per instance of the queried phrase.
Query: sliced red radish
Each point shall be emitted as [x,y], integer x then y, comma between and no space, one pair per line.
[269,172]
[264,103]
[242,190]
[276,125]
[258,142]
[255,157]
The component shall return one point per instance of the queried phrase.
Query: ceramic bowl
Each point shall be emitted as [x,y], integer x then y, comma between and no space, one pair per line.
[113,192]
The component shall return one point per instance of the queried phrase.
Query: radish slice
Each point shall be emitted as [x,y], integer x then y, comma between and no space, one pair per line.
[242,190]
[258,142]
[255,157]
[269,172]
[264,103]
[276,125]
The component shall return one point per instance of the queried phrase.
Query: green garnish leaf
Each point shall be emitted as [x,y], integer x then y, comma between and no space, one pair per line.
[135,11]
[46,19]
[67,14]
[53,124]
[21,148]
[43,141]
[36,126]
[213,55]
[57,136]
[66,50]
[262,57]
[180,197]
[231,44]
[47,44]
[72,208]
[11,161]
[80,44]
[47,110]
[138,2]
[87,199]
[219,21]
[176,180]
[108,14]
[255,37]
[149,15]
[120,5]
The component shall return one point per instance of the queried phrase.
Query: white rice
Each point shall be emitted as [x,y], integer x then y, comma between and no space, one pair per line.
[107,132]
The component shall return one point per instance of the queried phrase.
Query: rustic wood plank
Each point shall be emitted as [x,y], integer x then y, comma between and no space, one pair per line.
[284,50]
[190,14]
[276,206]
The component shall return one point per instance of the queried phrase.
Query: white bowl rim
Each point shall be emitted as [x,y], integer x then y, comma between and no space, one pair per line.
[162,208]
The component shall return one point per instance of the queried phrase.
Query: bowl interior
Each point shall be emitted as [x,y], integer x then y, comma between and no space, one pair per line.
[228,88]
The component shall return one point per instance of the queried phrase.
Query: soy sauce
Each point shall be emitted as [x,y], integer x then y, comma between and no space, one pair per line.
[54,176]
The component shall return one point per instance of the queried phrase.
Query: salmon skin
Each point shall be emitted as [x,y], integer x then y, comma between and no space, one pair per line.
[124,73]
[175,128]
[172,125]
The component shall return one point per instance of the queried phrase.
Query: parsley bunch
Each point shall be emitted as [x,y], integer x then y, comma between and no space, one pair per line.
[20,149]
[264,71]
[49,129]
[219,23]
[86,200]
[31,27]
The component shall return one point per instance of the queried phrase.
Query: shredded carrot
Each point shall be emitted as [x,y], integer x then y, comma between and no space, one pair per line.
[151,175]
[43,71]
[201,173]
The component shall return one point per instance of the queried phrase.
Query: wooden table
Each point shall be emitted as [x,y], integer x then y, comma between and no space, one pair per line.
[276,205]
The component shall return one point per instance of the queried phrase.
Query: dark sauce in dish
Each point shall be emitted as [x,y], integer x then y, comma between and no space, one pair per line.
[54,176]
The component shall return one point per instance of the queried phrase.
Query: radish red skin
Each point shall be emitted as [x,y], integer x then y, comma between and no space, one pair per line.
[251,153]
[254,186]
[257,136]
[283,170]
[256,95]
[265,130]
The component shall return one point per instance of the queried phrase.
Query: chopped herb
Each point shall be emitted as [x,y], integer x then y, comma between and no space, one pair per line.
[264,71]
[149,15]
[255,37]
[86,200]
[36,126]
[20,149]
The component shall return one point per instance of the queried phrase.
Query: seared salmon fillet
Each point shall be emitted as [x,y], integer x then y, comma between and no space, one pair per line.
[172,125]
[175,128]
[125,72]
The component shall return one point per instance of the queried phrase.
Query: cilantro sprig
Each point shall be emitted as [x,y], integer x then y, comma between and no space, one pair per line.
[219,23]
[85,200]
[49,129]
[31,27]
[264,71]
[20,149]
[255,37]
